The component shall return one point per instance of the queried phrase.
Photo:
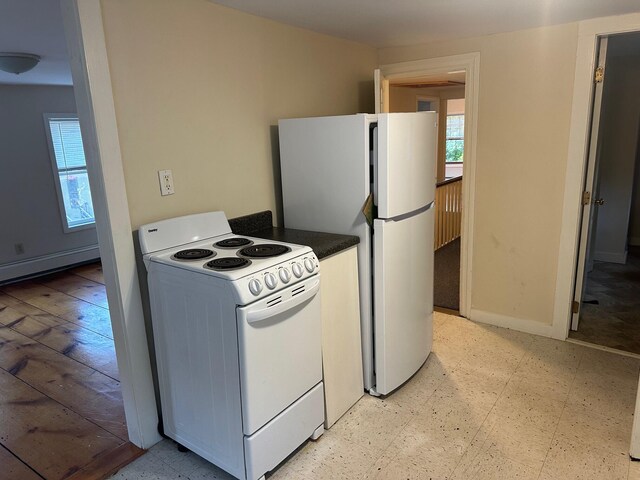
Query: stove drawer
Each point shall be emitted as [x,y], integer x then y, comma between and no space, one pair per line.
[266,448]
[279,346]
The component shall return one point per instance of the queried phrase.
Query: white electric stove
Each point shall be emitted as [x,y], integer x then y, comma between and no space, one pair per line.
[236,325]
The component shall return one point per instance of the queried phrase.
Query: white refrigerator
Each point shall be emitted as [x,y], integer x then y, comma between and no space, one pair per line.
[329,167]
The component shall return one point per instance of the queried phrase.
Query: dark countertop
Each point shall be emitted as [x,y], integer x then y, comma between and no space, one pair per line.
[323,244]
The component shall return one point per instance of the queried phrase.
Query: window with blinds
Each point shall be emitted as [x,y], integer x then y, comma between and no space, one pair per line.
[454,138]
[70,171]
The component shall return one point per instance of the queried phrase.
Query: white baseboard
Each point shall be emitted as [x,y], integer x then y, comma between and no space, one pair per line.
[611,257]
[520,324]
[603,348]
[634,241]
[45,263]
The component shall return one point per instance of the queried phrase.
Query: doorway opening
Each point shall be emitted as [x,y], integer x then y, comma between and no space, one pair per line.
[61,400]
[443,93]
[607,294]
[455,71]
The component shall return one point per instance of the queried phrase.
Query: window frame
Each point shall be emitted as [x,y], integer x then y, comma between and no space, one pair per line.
[446,138]
[48,117]
[428,98]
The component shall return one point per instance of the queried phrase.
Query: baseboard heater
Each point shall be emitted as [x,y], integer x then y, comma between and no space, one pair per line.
[13,271]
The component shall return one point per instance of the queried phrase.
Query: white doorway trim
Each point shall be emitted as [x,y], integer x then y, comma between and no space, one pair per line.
[96,111]
[470,62]
[588,31]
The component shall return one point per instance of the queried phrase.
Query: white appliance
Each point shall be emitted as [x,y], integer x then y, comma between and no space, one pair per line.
[237,330]
[330,166]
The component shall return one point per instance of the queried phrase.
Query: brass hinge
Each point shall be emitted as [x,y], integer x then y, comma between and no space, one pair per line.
[586,198]
[599,75]
[575,307]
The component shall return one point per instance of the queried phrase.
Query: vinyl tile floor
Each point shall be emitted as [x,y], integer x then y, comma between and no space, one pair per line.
[489,403]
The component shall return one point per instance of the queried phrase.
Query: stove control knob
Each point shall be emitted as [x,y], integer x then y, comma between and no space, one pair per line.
[297,269]
[270,280]
[309,265]
[284,275]
[255,286]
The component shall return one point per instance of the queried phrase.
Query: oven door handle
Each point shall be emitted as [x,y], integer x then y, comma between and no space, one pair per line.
[254,316]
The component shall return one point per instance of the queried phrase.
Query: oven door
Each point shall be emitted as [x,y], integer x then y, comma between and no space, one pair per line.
[279,340]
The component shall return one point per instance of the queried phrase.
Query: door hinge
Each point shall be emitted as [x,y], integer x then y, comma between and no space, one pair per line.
[598,77]
[575,307]
[586,198]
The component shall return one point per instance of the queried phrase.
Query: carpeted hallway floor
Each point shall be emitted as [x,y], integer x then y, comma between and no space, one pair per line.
[446,272]
[615,320]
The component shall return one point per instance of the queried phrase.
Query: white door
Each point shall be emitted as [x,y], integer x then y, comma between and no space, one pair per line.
[588,192]
[403,297]
[381,87]
[405,162]
[279,345]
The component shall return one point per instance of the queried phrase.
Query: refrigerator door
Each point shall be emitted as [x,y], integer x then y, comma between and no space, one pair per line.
[406,162]
[403,297]
[324,165]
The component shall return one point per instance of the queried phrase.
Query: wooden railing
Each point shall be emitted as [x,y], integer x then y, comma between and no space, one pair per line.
[448,211]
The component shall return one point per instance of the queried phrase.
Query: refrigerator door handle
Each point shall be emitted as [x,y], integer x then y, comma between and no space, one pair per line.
[404,216]
[374,163]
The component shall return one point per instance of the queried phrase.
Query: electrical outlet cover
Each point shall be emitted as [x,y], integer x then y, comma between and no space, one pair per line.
[166,182]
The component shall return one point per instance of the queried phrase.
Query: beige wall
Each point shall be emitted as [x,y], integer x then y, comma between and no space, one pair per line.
[402,99]
[455,106]
[197,89]
[526,86]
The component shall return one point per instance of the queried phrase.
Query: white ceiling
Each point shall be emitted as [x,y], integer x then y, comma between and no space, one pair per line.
[35,26]
[388,23]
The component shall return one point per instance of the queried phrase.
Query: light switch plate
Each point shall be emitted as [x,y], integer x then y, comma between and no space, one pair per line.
[166,182]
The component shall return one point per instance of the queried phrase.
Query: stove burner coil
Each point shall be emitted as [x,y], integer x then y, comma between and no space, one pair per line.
[193,254]
[228,263]
[264,250]
[235,242]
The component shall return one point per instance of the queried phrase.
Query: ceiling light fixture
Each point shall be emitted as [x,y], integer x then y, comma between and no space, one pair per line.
[17,62]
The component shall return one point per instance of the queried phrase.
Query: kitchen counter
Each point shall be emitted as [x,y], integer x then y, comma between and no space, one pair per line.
[323,244]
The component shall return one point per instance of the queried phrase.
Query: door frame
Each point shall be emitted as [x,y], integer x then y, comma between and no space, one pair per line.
[470,62]
[588,33]
[96,111]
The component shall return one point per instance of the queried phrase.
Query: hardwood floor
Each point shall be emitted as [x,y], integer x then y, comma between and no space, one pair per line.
[61,409]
